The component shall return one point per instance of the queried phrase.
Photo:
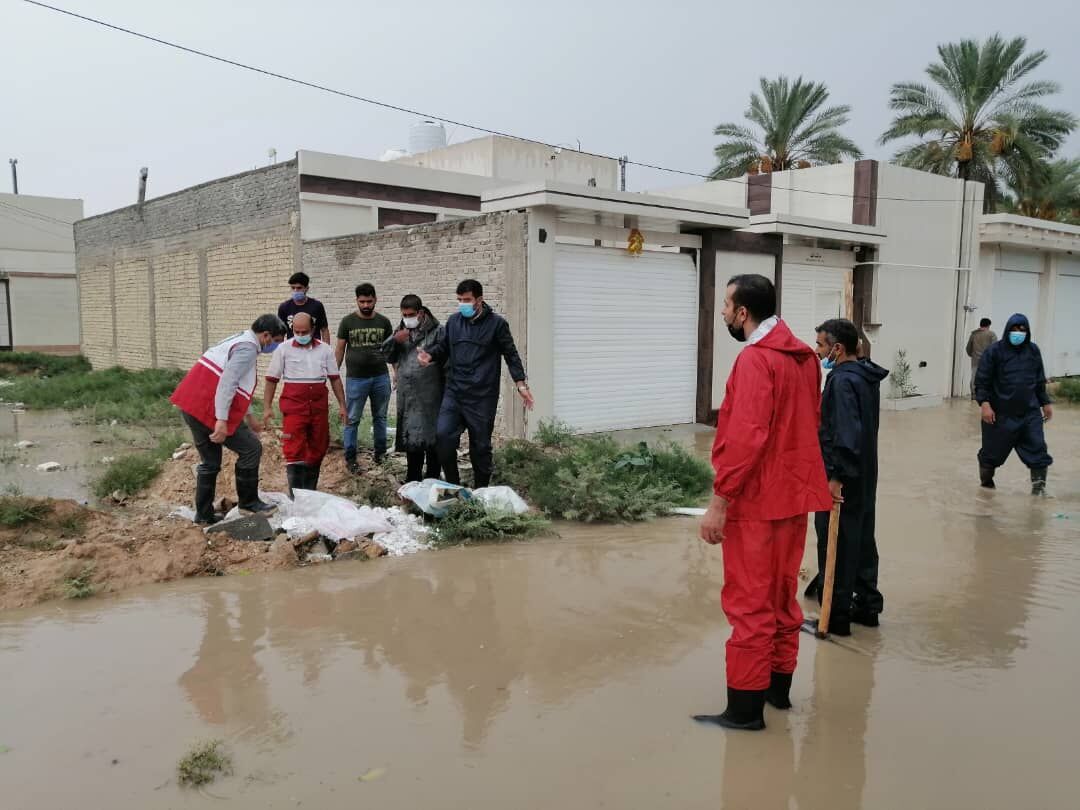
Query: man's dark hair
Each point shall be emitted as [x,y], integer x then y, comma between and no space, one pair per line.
[842,331]
[756,293]
[366,290]
[985,322]
[301,279]
[472,286]
[411,301]
[268,323]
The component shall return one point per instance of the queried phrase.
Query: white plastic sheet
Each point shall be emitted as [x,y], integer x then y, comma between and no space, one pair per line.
[330,515]
[501,498]
[432,496]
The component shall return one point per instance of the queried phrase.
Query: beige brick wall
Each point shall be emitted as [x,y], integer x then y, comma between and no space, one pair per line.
[177,309]
[132,313]
[244,280]
[95,309]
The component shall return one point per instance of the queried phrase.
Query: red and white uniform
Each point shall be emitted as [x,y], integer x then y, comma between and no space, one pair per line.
[196,393]
[769,468]
[304,402]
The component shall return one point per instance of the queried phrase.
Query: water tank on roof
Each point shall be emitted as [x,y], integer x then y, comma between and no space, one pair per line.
[425,136]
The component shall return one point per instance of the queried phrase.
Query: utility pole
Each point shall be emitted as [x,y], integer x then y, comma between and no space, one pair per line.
[143,172]
[622,172]
[14,175]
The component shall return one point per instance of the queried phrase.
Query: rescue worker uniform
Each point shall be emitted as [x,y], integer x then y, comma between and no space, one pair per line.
[850,412]
[1013,380]
[769,470]
[219,387]
[473,350]
[305,407]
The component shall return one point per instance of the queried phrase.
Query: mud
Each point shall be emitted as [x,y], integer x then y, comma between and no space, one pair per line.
[562,672]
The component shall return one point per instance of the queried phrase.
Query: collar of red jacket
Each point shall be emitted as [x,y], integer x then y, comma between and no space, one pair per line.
[781,339]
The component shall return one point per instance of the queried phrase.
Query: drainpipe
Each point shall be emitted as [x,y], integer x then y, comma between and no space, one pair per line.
[143,172]
[14,175]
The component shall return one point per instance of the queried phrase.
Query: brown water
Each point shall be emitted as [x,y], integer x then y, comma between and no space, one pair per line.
[562,673]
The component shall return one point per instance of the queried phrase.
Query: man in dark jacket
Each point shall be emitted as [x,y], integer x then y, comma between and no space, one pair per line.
[473,343]
[850,408]
[1010,386]
[419,388]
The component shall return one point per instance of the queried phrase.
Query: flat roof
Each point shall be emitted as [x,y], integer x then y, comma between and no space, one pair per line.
[1028,232]
[572,198]
[811,227]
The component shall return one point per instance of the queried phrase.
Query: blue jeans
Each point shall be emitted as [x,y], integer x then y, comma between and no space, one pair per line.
[357,392]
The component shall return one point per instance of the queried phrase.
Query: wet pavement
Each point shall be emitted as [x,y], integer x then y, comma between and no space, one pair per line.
[561,673]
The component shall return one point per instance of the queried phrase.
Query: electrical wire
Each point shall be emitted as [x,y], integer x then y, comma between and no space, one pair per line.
[34,214]
[451,121]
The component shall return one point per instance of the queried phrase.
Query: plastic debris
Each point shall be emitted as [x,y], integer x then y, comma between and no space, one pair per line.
[408,534]
[48,466]
[23,445]
[502,498]
[108,459]
[688,511]
[183,513]
[372,775]
[179,454]
[432,496]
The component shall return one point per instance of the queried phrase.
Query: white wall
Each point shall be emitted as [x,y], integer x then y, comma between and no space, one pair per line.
[44,312]
[725,347]
[321,218]
[822,192]
[721,192]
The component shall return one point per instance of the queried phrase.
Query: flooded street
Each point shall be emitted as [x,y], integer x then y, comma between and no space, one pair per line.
[562,673]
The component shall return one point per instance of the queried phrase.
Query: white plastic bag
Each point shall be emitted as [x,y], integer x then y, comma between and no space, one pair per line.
[501,498]
[432,496]
[331,516]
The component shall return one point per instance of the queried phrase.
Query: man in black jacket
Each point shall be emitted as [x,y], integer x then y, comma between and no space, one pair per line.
[1010,386]
[850,407]
[473,343]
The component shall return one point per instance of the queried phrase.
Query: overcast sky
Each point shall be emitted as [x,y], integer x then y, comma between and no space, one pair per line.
[83,108]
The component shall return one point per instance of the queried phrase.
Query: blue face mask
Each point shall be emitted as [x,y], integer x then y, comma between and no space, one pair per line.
[303,340]
[1017,338]
[466,310]
[270,347]
[828,364]
[298,296]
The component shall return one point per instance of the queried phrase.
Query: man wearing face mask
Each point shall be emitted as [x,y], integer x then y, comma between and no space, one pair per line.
[299,301]
[472,344]
[215,401]
[304,365]
[850,410]
[769,475]
[1010,387]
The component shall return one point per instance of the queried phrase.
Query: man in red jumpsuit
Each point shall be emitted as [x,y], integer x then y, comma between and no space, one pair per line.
[769,475]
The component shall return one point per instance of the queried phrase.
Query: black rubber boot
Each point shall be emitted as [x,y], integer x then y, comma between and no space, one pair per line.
[312,478]
[247,492]
[986,477]
[745,711]
[778,695]
[296,475]
[1038,480]
[350,463]
[813,588]
[205,487]
[865,618]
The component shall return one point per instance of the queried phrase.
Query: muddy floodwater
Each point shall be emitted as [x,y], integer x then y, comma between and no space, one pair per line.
[562,673]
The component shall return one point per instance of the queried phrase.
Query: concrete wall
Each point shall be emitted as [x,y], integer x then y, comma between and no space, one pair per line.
[720,192]
[430,260]
[160,282]
[510,159]
[44,313]
[822,192]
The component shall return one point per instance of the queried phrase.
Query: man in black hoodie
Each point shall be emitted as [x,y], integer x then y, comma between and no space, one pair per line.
[850,407]
[1010,386]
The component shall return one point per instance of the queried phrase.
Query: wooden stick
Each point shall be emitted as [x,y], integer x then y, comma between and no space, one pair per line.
[830,571]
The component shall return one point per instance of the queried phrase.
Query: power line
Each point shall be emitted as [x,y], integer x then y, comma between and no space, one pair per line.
[26,224]
[35,214]
[421,114]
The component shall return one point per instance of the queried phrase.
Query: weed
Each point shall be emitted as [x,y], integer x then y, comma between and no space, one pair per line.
[16,510]
[45,365]
[132,474]
[1068,389]
[554,434]
[8,456]
[72,524]
[471,522]
[79,586]
[129,397]
[204,763]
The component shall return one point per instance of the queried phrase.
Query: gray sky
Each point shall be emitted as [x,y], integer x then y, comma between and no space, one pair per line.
[83,107]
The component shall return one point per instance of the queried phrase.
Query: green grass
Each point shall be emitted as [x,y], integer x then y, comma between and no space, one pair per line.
[1068,389]
[43,365]
[129,397]
[204,763]
[78,586]
[593,478]
[17,510]
[471,522]
[130,475]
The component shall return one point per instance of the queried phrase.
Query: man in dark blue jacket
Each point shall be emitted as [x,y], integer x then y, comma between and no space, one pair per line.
[850,408]
[473,343]
[1010,386]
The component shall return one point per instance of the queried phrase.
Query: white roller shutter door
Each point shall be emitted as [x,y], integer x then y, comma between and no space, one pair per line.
[1066,360]
[810,296]
[1015,291]
[625,338]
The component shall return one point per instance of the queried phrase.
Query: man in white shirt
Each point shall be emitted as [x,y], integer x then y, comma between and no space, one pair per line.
[304,364]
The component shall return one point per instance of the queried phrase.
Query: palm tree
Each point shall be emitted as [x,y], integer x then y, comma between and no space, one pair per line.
[1051,192]
[793,131]
[981,121]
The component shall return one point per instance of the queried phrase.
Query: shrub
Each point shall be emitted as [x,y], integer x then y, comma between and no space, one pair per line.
[132,474]
[471,522]
[1068,389]
[45,365]
[17,510]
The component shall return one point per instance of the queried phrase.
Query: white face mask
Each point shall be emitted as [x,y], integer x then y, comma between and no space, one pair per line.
[412,323]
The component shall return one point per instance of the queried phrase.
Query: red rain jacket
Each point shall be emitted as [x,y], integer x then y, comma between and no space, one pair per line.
[766,454]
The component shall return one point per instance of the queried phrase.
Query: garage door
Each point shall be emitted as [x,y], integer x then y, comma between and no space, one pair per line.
[1015,291]
[5,321]
[810,296]
[625,338]
[1066,360]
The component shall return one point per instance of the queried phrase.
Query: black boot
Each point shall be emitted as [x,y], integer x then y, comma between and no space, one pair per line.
[986,476]
[432,464]
[350,462]
[312,479]
[1038,480]
[296,475]
[745,711]
[247,492]
[866,618]
[205,486]
[813,588]
[778,694]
